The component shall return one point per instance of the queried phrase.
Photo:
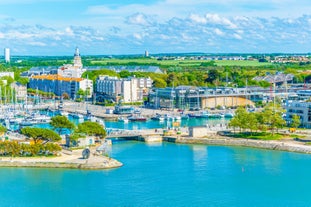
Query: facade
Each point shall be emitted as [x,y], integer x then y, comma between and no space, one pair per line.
[127,89]
[194,98]
[60,85]
[74,70]
[302,109]
[7,56]
[20,91]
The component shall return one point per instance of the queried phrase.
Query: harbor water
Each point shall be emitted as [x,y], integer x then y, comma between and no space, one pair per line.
[167,174]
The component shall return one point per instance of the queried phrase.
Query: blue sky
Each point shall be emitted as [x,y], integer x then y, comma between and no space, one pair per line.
[56,27]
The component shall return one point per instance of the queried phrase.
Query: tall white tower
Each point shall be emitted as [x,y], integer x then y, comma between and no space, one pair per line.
[77,63]
[7,55]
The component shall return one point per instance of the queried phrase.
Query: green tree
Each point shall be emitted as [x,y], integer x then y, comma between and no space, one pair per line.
[272,116]
[212,76]
[124,74]
[159,83]
[295,122]
[252,122]
[239,119]
[40,134]
[59,123]
[91,128]
[3,129]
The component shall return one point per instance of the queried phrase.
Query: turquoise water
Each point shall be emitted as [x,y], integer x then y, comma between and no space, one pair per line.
[168,175]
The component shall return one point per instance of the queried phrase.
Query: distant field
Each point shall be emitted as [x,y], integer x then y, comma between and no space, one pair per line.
[176,63]
[253,63]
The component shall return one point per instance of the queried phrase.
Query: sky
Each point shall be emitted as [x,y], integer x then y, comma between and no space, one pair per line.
[116,27]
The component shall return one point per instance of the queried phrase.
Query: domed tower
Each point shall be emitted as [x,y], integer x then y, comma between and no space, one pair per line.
[77,62]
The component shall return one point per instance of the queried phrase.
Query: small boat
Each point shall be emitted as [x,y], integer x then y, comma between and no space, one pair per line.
[137,118]
[228,115]
[123,119]
[157,117]
[76,116]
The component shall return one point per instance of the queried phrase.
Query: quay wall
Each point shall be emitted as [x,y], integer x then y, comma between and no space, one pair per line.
[89,166]
[270,145]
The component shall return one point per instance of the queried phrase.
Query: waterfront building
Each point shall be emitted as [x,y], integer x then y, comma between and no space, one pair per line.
[195,98]
[127,89]
[302,109]
[7,55]
[60,85]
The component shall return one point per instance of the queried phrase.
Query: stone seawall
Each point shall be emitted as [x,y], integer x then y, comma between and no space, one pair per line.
[73,165]
[271,145]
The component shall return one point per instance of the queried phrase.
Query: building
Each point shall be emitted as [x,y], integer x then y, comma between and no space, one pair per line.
[60,85]
[302,109]
[127,89]
[74,70]
[146,53]
[7,56]
[20,91]
[9,74]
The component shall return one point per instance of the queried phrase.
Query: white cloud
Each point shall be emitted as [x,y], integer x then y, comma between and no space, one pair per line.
[219,32]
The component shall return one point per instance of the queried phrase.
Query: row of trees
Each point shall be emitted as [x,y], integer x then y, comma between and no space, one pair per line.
[270,118]
[60,124]
[14,149]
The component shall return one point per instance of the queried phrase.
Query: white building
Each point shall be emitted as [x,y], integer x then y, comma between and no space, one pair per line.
[74,70]
[7,56]
[302,109]
[128,89]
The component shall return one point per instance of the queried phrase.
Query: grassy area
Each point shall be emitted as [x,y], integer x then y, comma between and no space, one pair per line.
[251,63]
[258,135]
[176,63]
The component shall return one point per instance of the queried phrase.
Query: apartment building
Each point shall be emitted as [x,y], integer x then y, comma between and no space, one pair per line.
[128,89]
[60,85]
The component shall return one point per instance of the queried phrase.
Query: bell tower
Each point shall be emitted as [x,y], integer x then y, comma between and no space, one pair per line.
[77,62]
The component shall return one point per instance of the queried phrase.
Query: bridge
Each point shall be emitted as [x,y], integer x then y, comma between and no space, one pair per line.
[123,133]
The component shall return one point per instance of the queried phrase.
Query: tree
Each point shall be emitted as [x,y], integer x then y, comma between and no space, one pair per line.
[65,96]
[272,116]
[3,129]
[80,93]
[252,122]
[239,119]
[159,83]
[295,121]
[60,123]
[40,134]
[91,128]
[124,74]
[212,76]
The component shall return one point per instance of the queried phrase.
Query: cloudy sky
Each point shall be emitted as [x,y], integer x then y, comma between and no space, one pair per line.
[56,27]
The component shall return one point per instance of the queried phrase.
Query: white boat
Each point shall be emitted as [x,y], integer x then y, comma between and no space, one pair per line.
[64,113]
[178,118]
[228,115]
[77,116]
[123,119]
[158,117]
